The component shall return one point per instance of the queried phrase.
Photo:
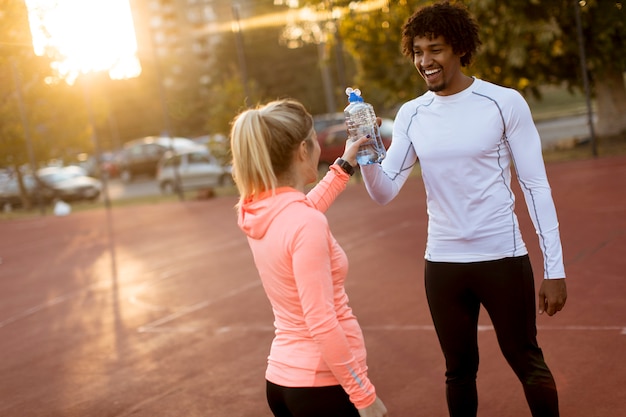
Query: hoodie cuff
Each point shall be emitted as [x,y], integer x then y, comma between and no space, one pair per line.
[340,172]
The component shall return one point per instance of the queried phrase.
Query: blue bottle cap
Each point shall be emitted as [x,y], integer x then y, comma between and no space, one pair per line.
[354,95]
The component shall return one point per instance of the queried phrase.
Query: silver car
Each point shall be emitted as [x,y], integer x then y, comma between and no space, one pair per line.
[69,183]
[191,169]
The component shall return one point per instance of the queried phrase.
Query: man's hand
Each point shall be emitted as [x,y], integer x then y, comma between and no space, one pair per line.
[552,296]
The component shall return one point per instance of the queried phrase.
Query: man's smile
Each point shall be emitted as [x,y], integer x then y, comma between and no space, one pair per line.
[431,73]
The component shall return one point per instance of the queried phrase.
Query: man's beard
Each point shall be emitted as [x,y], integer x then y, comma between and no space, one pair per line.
[433,87]
[437,87]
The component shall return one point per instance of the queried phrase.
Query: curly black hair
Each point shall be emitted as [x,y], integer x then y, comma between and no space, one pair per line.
[450,20]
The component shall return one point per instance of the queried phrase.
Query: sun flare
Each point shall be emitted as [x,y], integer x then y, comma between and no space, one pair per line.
[87,36]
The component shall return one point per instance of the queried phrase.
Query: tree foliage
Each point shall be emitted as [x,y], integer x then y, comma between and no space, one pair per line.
[18,68]
[383,74]
[526,44]
[272,71]
[37,117]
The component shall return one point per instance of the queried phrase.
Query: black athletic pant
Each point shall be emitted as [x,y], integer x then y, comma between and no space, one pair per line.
[506,289]
[329,401]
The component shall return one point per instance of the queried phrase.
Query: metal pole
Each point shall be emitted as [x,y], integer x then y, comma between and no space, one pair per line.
[240,51]
[112,121]
[341,68]
[326,80]
[167,126]
[96,142]
[583,65]
[167,129]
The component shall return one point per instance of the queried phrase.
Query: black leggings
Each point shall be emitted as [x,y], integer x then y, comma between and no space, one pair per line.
[329,401]
[506,289]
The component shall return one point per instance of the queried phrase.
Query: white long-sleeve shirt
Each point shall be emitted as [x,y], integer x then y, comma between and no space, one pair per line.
[466,145]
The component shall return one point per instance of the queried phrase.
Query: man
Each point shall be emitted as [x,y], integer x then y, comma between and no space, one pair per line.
[467,135]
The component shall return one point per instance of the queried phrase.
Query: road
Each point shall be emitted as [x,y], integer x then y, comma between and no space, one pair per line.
[142,187]
[563,130]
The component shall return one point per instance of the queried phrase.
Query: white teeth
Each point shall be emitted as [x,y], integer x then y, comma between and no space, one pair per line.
[431,72]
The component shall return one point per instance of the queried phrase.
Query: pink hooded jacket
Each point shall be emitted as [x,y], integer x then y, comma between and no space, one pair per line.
[318,341]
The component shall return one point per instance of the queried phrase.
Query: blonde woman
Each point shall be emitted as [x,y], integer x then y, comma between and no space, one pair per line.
[317,361]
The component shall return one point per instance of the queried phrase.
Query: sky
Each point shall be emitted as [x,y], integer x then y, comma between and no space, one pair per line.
[89,35]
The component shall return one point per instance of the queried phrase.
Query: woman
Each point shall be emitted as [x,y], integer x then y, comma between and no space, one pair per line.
[317,362]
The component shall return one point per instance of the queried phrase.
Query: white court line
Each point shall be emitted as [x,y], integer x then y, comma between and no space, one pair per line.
[356,241]
[218,330]
[135,298]
[155,328]
[484,328]
[93,287]
[66,297]
[164,275]
[35,309]
[152,327]
[50,303]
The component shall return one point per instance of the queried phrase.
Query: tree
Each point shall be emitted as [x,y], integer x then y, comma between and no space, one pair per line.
[39,119]
[384,76]
[526,44]
[604,30]
[273,71]
[532,43]
[18,67]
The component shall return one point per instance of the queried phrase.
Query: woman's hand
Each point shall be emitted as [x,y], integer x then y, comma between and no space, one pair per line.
[352,146]
[377,409]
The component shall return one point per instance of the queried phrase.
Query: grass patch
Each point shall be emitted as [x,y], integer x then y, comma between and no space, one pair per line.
[605,146]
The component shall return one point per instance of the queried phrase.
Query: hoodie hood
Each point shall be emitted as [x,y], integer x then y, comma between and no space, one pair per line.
[255,217]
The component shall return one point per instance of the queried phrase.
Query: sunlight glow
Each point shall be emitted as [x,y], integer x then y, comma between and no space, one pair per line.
[85,36]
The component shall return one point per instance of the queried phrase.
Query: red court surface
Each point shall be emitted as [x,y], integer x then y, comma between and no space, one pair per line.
[158,311]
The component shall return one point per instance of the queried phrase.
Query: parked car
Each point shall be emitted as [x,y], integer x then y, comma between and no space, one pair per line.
[108,164]
[217,144]
[332,142]
[322,122]
[140,157]
[190,169]
[68,183]
[10,195]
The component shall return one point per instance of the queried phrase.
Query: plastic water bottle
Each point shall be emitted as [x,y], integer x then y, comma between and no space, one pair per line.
[361,121]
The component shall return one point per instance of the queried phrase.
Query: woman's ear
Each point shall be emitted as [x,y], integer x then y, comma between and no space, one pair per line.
[303,151]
